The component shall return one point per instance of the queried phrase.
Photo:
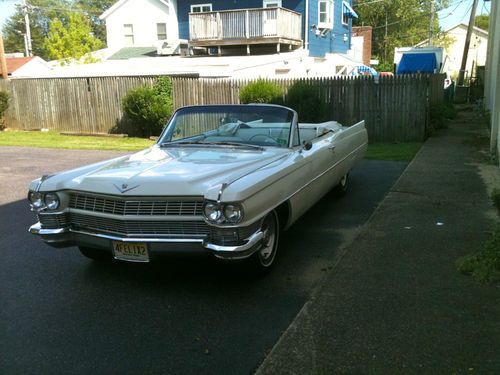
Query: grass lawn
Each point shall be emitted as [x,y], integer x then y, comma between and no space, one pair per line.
[377,151]
[393,151]
[56,140]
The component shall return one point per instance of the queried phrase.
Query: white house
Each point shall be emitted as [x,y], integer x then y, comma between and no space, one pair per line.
[454,52]
[492,89]
[141,23]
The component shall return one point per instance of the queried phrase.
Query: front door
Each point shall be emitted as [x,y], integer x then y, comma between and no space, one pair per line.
[270,18]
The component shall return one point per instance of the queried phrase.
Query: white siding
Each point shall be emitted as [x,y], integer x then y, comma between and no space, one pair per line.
[492,90]
[143,15]
[477,51]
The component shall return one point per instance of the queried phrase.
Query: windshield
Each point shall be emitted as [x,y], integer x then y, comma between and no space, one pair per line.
[235,125]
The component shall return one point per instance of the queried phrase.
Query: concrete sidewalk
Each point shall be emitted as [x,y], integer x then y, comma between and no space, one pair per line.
[395,302]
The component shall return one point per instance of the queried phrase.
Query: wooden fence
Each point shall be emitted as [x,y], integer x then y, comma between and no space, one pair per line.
[86,105]
[395,108]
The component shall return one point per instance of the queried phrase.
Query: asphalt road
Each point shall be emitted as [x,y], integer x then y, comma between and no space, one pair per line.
[63,314]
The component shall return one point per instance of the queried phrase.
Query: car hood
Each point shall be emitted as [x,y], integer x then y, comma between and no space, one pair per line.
[190,170]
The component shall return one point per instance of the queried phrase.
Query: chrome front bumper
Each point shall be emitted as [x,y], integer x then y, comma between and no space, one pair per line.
[65,237]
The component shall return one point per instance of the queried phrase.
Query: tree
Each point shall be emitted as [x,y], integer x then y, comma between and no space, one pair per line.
[93,9]
[71,40]
[42,13]
[398,23]
[482,21]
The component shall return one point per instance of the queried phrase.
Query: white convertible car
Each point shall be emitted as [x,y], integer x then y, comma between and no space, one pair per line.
[223,179]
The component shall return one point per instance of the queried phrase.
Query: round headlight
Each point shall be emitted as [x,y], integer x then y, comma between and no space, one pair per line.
[212,212]
[36,199]
[51,201]
[233,213]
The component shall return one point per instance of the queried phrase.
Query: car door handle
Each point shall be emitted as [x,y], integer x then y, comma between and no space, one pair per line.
[332,147]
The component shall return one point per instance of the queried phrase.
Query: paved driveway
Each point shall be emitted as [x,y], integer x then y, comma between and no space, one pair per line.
[61,313]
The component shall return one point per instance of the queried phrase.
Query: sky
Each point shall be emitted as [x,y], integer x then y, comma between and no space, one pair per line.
[459,11]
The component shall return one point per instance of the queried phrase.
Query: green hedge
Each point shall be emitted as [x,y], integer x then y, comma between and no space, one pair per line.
[261,91]
[147,109]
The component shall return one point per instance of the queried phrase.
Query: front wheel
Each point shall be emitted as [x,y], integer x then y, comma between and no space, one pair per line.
[263,259]
[95,254]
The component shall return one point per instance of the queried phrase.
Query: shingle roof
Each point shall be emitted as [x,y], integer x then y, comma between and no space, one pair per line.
[14,63]
[131,52]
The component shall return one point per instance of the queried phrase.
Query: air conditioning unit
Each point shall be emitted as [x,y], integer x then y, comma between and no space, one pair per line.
[172,47]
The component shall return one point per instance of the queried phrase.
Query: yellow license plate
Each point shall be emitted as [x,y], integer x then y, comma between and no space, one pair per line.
[131,251]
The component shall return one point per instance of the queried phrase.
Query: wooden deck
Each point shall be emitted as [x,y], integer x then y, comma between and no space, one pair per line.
[246,27]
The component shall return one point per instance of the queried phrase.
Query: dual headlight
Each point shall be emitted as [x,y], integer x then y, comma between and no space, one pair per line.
[218,213]
[40,201]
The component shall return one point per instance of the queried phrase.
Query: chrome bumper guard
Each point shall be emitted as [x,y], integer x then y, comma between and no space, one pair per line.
[64,237]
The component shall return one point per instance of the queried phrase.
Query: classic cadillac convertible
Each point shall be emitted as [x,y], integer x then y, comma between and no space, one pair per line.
[224,179]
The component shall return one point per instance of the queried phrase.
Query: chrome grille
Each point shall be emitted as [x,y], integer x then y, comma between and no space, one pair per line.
[136,207]
[137,228]
[53,221]
[232,236]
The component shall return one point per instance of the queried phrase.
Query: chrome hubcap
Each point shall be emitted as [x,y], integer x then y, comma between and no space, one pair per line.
[268,242]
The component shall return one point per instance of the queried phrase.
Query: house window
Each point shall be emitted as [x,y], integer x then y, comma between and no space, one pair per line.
[128,32]
[271,3]
[161,31]
[200,8]
[347,13]
[325,14]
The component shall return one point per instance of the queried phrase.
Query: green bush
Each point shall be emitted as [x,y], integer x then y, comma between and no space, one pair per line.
[261,91]
[4,104]
[485,265]
[306,100]
[147,109]
[441,112]
[495,197]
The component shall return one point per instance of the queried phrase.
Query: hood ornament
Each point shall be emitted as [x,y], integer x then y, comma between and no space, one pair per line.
[124,188]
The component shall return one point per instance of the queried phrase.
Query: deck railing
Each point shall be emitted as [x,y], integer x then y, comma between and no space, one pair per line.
[245,24]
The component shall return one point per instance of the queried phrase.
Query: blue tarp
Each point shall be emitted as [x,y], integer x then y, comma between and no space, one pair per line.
[412,63]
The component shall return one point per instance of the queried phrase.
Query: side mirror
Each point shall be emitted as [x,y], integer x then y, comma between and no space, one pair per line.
[307,145]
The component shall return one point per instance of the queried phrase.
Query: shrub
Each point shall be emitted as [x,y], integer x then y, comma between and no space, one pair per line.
[485,265]
[261,91]
[495,197]
[147,109]
[4,104]
[439,113]
[306,100]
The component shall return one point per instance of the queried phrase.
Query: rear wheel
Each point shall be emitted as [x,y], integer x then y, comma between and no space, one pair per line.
[95,254]
[263,259]
[343,185]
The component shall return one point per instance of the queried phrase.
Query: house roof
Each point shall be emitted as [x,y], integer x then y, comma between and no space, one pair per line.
[475,29]
[14,63]
[133,52]
[119,3]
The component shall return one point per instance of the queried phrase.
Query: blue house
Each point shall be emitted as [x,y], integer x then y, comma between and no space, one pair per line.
[261,26]
[320,26]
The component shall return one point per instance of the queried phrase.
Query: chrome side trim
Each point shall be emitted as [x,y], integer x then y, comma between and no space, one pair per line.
[296,192]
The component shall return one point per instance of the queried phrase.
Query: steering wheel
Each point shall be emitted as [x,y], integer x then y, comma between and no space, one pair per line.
[266,138]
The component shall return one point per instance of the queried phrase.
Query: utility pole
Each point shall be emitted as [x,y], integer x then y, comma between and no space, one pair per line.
[3,62]
[25,8]
[431,24]
[461,74]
